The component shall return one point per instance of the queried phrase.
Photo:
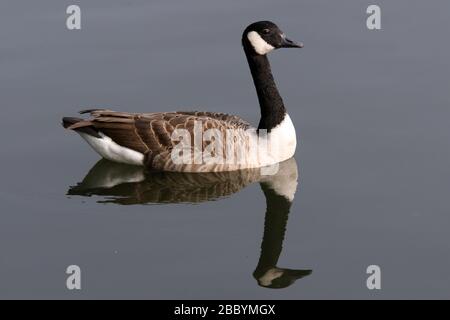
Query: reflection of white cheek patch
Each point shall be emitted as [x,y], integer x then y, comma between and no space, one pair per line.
[258,43]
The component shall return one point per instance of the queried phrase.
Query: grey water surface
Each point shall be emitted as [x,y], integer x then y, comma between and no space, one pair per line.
[371,109]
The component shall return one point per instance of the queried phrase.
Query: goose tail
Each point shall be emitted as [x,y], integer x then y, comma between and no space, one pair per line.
[80,126]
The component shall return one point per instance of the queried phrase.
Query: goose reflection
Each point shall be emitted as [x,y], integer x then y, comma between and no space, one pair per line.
[129,185]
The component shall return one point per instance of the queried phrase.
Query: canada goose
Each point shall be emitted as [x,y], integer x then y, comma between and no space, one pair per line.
[147,139]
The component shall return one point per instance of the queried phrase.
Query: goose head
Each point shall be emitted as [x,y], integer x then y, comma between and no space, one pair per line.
[262,37]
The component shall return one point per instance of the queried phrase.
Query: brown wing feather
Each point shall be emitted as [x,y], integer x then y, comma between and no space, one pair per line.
[150,133]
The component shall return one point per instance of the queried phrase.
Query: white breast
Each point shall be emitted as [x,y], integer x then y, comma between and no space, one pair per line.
[283,139]
[280,145]
[275,147]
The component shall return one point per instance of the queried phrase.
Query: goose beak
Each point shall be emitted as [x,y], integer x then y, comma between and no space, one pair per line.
[287,43]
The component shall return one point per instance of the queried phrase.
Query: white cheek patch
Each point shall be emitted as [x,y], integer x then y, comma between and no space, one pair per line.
[258,43]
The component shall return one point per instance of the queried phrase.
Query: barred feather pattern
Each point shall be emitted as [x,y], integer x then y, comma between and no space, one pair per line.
[151,135]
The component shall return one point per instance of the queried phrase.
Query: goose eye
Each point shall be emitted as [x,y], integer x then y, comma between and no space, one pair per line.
[266,31]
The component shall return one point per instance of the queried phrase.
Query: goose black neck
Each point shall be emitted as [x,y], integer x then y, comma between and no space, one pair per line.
[270,101]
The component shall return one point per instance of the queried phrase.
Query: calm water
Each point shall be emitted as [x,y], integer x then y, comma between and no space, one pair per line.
[371,111]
